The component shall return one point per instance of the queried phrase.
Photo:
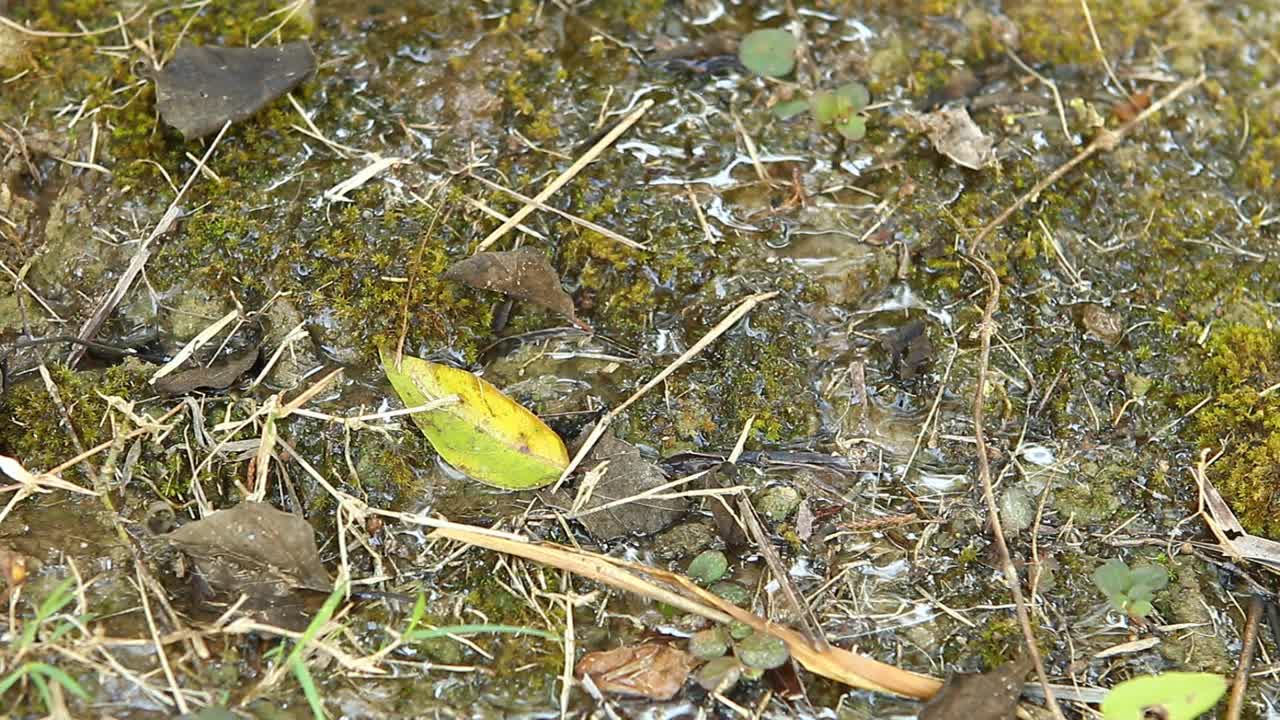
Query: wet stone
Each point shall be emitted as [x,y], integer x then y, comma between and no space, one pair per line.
[778,502]
[709,644]
[684,540]
[1104,324]
[761,651]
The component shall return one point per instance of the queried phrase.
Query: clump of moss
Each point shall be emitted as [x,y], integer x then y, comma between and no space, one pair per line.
[32,427]
[999,643]
[1240,363]
[1119,24]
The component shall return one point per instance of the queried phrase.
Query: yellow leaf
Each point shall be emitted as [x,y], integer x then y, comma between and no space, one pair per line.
[486,434]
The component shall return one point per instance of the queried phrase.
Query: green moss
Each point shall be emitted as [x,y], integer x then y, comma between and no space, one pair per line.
[1093,499]
[32,427]
[1000,642]
[1239,363]
[1055,31]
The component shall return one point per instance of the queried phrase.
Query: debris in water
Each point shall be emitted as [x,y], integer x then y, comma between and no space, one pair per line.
[954,134]
[980,696]
[650,670]
[627,475]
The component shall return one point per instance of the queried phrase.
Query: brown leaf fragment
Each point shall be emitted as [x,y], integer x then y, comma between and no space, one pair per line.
[980,696]
[650,670]
[910,349]
[524,274]
[254,549]
[627,474]
[13,568]
[1104,324]
[728,527]
[218,376]
[202,88]
[954,134]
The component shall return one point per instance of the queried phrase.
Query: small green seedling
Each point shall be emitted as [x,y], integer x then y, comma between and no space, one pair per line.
[771,53]
[839,109]
[1130,590]
[1168,696]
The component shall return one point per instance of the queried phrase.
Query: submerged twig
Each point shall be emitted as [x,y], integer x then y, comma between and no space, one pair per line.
[1104,141]
[984,476]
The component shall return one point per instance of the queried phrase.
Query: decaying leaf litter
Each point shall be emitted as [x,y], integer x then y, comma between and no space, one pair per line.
[662,194]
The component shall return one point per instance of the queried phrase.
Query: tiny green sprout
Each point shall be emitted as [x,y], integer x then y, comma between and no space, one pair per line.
[1130,590]
[1169,696]
[771,53]
[839,109]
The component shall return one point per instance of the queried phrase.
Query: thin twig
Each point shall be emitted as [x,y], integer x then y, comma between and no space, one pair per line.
[567,175]
[158,647]
[1053,88]
[1235,703]
[1097,45]
[984,476]
[1104,141]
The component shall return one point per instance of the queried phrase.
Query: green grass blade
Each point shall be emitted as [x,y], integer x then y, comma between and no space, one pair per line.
[59,676]
[308,688]
[12,678]
[318,622]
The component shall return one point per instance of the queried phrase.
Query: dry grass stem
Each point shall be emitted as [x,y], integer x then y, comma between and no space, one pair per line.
[119,26]
[567,175]
[836,664]
[538,204]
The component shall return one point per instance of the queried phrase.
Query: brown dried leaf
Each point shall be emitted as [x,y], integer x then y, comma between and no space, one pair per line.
[255,549]
[980,696]
[218,376]
[651,670]
[202,88]
[524,274]
[954,134]
[627,475]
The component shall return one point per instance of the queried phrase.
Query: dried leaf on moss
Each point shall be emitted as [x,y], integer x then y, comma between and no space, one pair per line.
[255,549]
[221,375]
[202,88]
[955,134]
[524,274]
